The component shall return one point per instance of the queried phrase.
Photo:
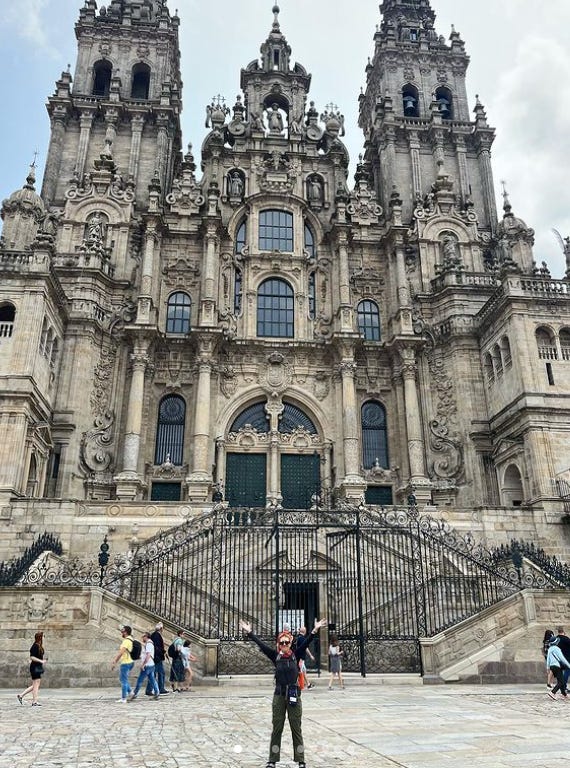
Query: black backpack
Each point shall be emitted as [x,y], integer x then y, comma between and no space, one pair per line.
[136,651]
[286,670]
[172,651]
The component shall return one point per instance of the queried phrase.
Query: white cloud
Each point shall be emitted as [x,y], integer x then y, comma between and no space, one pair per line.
[531,106]
[25,18]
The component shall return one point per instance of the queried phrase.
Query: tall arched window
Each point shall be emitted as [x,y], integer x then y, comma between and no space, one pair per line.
[102,72]
[292,418]
[178,317]
[310,246]
[564,337]
[369,320]
[255,416]
[275,309]
[275,231]
[410,101]
[374,435]
[546,343]
[170,430]
[7,317]
[140,85]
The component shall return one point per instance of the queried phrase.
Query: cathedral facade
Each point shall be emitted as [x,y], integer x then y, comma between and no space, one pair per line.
[254,328]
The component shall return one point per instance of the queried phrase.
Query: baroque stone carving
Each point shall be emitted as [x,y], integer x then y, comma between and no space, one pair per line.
[94,454]
[276,375]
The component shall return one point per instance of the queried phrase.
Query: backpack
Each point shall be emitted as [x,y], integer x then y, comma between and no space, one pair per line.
[173,651]
[286,670]
[136,650]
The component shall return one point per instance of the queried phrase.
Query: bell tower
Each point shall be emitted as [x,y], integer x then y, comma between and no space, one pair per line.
[125,101]
[415,114]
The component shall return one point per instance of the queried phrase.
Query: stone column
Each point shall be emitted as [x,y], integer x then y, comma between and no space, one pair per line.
[274,496]
[462,163]
[162,146]
[208,302]
[353,484]
[137,125]
[401,277]
[414,144]
[486,169]
[145,303]
[85,123]
[416,445]
[200,478]
[129,481]
[346,319]
[55,151]
[221,462]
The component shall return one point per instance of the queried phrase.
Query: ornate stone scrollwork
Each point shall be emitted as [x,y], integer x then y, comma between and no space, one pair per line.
[277,374]
[94,454]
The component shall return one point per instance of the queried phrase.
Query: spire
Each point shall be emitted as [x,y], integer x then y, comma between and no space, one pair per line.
[276,11]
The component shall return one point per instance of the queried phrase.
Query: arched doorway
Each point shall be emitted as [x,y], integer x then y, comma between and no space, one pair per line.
[273,455]
[513,493]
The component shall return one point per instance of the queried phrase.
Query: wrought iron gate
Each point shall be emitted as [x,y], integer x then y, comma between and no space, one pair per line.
[383,578]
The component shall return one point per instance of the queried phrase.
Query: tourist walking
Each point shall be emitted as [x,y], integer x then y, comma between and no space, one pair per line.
[555,662]
[286,696]
[159,656]
[564,645]
[147,668]
[177,671]
[301,653]
[187,658]
[335,662]
[37,668]
[125,662]
[548,636]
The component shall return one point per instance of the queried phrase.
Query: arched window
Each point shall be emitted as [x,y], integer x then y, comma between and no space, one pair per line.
[275,231]
[513,487]
[565,343]
[369,320]
[374,435]
[292,418]
[506,352]
[170,430]
[140,85]
[411,101]
[102,72]
[546,344]
[32,485]
[310,242]
[497,360]
[241,237]
[7,317]
[275,309]
[445,100]
[255,416]
[178,317]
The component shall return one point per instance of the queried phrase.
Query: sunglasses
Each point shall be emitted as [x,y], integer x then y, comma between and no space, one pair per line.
[284,642]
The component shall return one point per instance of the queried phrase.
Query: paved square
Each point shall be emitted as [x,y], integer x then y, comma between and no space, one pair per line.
[365,726]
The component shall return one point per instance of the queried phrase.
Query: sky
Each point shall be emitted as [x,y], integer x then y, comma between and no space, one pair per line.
[520,67]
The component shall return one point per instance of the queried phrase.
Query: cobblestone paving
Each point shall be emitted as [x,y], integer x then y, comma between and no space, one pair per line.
[365,726]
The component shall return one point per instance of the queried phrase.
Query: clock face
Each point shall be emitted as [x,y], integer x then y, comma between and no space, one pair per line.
[314,132]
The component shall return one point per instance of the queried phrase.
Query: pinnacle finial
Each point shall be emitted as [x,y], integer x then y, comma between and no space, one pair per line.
[276,11]
[507,207]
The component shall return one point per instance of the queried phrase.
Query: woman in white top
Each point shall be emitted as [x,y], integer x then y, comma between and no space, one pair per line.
[187,657]
[335,659]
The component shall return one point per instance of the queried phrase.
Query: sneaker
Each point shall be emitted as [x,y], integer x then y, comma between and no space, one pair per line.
[164,693]
[20,699]
[551,695]
[271,765]
[121,701]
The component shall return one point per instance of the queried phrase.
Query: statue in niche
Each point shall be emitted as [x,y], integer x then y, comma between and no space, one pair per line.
[256,122]
[275,119]
[449,249]
[236,185]
[296,125]
[315,191]
[95,229]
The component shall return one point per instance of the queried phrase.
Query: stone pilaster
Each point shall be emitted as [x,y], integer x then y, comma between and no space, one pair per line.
[200,479]
[129,481]
[353,485]
[416,447]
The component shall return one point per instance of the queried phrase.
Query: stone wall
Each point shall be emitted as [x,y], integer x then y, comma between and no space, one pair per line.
[81,628]
[500,645]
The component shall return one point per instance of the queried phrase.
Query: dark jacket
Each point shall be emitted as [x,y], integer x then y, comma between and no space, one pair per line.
[272,653]
[158,641]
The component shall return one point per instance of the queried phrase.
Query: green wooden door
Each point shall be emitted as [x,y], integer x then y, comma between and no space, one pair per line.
[246,479]
[300,480]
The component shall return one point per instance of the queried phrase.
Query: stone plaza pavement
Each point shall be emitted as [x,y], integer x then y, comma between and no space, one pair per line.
[365,726]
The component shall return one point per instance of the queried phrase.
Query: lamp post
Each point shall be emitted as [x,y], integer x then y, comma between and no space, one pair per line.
[103,559]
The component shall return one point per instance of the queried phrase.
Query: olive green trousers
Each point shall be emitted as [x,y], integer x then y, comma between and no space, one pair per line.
[281,707]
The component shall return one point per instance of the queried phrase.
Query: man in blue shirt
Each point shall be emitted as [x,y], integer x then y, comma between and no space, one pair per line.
[555,660]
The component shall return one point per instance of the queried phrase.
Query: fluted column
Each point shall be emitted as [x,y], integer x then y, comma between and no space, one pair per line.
[200,478]
[208,302]
[53,164]
[416,446]
[353,484]
[85,123]
[486,168]
[137,125]
[162,146]
[131,450]
[414,144]
[401,277]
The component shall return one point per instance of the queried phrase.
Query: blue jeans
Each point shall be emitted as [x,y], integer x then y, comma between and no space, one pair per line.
[143,674]
[160,678]
[124,672]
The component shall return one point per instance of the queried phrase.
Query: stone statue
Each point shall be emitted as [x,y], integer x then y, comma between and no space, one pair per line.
[275,119]
[95,229]
[256,122]
[236,185]
[296,125]
[449,249]
[315,190]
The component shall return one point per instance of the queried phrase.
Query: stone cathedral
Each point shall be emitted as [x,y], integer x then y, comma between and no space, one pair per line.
[248,324]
